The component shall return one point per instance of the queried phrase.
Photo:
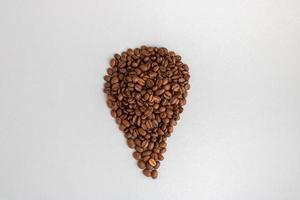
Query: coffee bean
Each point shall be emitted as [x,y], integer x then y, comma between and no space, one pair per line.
[141,82]
[142,131]
[145,144]
[143,67]
[126,123]
[167,95]
[148,166]
[159,92]
[154,156]
[139,149]
[152,162]
[130,143]
[110,71]
[151,145]
[114,80]
[146,90]
[137,155]
[138,88]
[141,164]
[112,62]
[146,153]
[107,78]
[163,150]
[149,83]
[154,174]
[115,86]
[175,87]
[146,158]
[147,172]
[160,157]
[157,165]
[113,113]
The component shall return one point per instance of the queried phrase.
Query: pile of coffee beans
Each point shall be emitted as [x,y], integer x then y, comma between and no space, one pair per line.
[146,90]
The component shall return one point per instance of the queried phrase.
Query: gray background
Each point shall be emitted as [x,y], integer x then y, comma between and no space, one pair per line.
[237,139]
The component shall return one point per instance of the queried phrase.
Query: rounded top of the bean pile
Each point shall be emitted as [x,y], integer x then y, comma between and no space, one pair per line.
[146,90]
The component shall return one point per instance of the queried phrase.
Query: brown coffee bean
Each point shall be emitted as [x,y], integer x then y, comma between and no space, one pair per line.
[175,87]
[115,86]
[146,90]
[152,162]
[160,157]
[147,172]
[137,155]
[139,149]
[145,144]
[163,150]
[134,64]
[159,92]
[113,113]
[146,158]
[142,131]
[107,78]
[126,123]
[138,88]
[149,83]
[141,164]
[112,62]
[146,153]
[122,127]
[151,145]
[165,81]
[141,82]
[154,174]
[114,80]
[163,144]
[156,150]
[147,113]
[157,165]
[154,156]
[130,143]
[143,67]
[148,166]
[110,71]
[167,95]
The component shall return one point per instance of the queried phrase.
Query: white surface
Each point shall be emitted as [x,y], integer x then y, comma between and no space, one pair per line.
[237,139]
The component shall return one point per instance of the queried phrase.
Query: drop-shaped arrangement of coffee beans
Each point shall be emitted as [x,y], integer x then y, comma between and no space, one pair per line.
[146,90]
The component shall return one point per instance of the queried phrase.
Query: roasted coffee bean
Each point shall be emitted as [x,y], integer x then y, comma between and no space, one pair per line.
[141,164]
[151,145]
[147,172]
[145,144]
[137,155]
[112,62]
[157,165]
[130,143]
[154,174]
[142,131]
[146,90]
[114,80]
[175,87]
[126,123]
[139,149]
[163,150]
[154,156]
[146,153]
[146,158]
[113,113]
[160,157]
[149,166]
[149,83]
[152,162]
